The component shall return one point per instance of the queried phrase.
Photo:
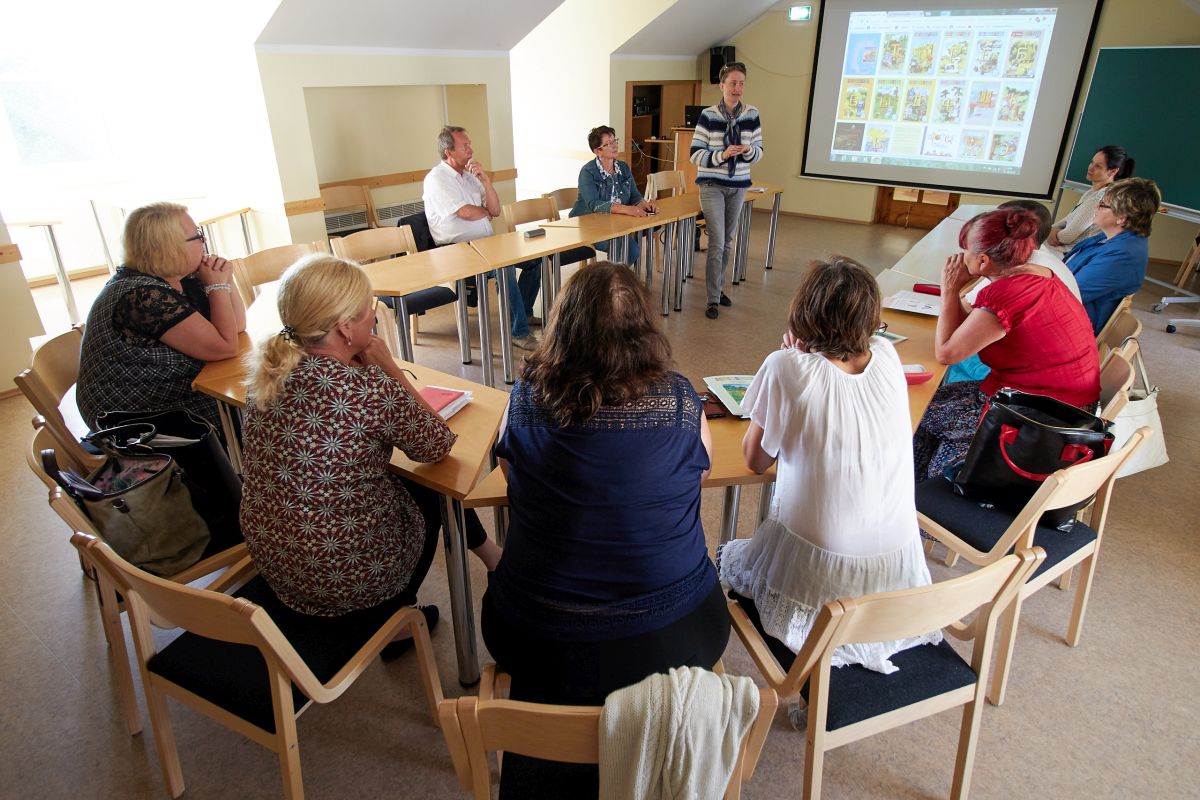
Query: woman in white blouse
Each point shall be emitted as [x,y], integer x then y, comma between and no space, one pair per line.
[1110,163]
[831,410]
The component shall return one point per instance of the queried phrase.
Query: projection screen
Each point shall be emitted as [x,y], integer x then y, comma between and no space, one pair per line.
[960,95]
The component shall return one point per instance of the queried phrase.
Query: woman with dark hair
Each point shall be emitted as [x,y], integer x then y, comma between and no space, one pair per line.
[606,577]
[1112,264]
[606,186]
[830,409]
[1110,163]
[1025,325]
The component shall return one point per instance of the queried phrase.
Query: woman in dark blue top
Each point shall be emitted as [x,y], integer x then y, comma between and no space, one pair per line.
[606,576]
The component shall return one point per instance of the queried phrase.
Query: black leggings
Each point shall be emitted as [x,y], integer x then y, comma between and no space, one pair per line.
[429,503]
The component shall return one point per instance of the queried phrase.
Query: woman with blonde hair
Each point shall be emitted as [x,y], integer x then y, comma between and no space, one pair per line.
[168,309]
[331,529]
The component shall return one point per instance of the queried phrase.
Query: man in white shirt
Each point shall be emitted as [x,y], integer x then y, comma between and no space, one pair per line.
[460,203]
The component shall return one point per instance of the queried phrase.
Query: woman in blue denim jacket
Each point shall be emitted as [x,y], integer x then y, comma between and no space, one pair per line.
[606,186]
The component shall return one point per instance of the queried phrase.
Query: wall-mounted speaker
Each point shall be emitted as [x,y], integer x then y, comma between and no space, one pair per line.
[717,58]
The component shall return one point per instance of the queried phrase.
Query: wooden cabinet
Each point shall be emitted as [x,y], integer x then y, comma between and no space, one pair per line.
[913,208]
[640,156]
[660,107]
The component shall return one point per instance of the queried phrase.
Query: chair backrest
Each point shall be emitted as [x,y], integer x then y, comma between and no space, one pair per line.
[419,225]
[374,243]
[268,265]
[564,199]
[1122,307]
[387,329]
[537,209]
[1116,376]
[49,381]
[567,733]
[1122,326]
[338,198]
[667,181]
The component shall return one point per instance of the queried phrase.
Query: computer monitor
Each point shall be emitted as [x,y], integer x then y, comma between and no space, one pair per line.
[691,115]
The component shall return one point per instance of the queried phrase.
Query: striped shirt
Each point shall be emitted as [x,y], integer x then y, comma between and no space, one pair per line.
[709,142]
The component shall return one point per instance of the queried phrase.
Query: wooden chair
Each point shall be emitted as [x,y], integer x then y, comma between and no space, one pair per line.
[1116,376]
[851,702]
[1121,327]
[474,726]
[983,535]
[343,198]
[268,265]
[544,208]
[388,242]
[564,199]
[247,661]
[49,385]
[666,181]
[110,605]
[1123,307]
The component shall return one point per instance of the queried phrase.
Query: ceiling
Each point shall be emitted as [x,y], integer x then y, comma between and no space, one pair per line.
[690,27]
[473,25]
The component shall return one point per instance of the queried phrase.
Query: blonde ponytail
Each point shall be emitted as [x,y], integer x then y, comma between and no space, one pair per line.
[315,294]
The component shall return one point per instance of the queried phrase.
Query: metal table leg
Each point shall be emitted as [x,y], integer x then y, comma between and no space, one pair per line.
[687,232]
[504,279]
[458,577]
[485,328]
[547,269]
[460,317]
[773,230]
[64,282]
[404,323]
[668,279]
[764,503]
[246,233]
[742,252]
[647,239]
[729,513]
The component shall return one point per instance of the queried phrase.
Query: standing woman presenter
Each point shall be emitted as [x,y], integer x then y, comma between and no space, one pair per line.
[728,139]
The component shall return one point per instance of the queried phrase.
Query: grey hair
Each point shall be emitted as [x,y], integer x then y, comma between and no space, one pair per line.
[446,139]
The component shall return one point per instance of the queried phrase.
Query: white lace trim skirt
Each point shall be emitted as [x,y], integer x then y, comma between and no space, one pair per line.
[790,579]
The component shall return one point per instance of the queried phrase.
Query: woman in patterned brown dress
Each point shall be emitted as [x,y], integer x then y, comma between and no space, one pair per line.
[330,528]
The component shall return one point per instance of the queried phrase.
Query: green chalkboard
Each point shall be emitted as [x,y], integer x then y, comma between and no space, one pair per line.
[1144,99]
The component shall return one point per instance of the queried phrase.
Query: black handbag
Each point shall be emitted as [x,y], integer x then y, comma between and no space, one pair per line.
[192,441]
[138,503]
[1022,439]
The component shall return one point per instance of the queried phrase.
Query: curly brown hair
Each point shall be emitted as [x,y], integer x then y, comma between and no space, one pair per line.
[836,308]
[601,346]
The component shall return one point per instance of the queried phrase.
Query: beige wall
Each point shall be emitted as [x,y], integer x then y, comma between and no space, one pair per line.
[287,75]
[779,56]
[18,320]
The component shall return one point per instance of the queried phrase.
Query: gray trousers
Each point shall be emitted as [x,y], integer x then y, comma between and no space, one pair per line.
[722,208]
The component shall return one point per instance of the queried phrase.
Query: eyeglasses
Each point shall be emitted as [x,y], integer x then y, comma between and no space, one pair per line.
[882,328]
[200,237]
[610,143]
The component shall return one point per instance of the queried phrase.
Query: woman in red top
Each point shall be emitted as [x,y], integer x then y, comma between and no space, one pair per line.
[1026,326]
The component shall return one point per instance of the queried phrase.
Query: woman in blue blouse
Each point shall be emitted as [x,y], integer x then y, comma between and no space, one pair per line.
[606,577]
[606,186]
[1112,264]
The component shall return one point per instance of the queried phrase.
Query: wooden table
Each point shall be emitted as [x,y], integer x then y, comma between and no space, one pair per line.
[506,249]
[926,258]
[453,477]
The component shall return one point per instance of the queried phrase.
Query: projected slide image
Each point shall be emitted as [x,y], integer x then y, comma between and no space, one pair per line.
[956,51]
[886,105]
[893,53]
[862,54]
[856,98]
[954,89]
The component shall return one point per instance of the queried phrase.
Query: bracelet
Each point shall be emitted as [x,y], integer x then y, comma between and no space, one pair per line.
[216,287]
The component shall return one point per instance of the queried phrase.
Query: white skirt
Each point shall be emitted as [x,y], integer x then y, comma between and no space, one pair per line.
[790,580]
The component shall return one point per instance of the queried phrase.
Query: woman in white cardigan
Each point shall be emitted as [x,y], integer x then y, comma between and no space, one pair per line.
[1110,163]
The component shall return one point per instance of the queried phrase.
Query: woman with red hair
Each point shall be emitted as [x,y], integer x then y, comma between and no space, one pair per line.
[1026,326]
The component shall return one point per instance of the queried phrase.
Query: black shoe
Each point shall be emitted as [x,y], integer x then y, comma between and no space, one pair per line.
[725,301]
[711,312]
[393,650]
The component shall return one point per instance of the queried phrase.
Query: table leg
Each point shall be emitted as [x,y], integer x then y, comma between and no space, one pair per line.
[764,503]
[729,513]
[774,228]
[647,239]
[232,445]
[504,278]
[64,282]
[404,323]
[548,267]
[687,243]
[485,328]
[501,513]
[458,578]
[668,280]
[742,255]
[460,316]
[246,233]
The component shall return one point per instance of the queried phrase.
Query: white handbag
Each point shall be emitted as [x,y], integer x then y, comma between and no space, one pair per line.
[1142,409]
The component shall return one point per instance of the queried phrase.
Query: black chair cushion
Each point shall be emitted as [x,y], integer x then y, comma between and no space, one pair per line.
[857,693]
[981,526]
[425,299]
[234,676]
[419,224]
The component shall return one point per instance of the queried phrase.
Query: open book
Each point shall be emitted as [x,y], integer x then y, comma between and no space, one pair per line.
[446,402]
[730,390]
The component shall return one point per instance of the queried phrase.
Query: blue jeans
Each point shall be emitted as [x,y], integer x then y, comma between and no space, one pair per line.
[522,292]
